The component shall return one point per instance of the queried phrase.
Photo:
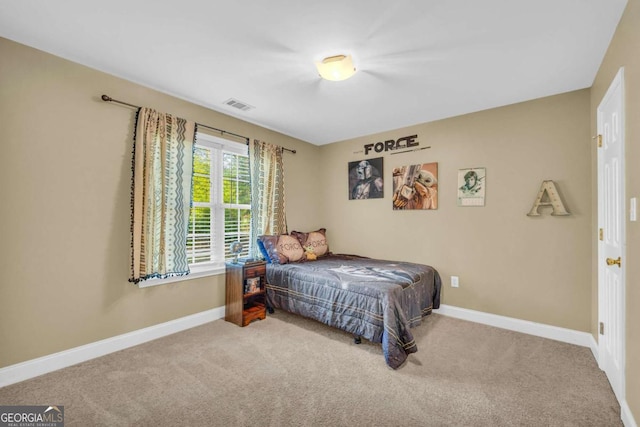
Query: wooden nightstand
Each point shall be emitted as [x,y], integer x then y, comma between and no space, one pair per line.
[245,293]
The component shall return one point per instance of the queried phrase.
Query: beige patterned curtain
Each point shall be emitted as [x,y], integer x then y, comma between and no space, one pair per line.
[160,195]
[267,191]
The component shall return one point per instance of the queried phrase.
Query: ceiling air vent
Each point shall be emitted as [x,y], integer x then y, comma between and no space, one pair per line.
[238,104]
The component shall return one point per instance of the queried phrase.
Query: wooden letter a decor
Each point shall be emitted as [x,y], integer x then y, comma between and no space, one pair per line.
[552,199]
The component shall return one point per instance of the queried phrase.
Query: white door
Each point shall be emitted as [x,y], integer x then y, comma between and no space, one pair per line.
[611,244]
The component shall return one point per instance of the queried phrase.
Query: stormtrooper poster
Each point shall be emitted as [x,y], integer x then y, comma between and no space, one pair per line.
[415,187]
[365,179]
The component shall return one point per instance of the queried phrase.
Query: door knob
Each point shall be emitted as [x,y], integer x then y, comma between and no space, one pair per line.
[611,261]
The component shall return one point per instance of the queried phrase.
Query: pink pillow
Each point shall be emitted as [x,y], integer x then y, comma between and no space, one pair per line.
[283,248]
[317,240]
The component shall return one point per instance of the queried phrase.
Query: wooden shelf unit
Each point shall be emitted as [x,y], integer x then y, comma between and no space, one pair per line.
[244,305]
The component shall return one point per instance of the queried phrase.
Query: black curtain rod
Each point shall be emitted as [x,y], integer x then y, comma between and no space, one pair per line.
[107,98]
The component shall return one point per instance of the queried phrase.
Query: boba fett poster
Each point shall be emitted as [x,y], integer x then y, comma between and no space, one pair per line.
[366,179]
[415,187]
[471,186]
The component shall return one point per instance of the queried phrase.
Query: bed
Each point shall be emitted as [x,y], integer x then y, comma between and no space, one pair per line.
[371,298]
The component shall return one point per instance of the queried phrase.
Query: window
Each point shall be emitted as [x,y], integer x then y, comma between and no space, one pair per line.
[221,208]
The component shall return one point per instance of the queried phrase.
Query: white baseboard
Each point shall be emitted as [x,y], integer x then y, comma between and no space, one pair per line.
[43,365]
[594,349]
[570,336]
[627,416]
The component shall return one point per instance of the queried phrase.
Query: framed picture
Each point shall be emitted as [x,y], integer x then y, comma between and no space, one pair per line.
[415,187]
[252,285]
[366,179]
[471,186]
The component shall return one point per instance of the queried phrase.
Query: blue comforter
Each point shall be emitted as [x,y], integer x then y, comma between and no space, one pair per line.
[376,299]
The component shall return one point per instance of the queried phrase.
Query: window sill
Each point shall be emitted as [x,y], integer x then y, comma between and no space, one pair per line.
[196,272]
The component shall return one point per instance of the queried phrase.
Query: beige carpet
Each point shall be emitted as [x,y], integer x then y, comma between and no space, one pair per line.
[287,370]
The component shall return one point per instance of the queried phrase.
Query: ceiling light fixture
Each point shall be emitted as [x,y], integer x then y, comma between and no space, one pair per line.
[336,68]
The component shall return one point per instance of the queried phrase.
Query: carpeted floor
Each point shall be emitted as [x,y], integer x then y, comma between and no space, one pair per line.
[290,371]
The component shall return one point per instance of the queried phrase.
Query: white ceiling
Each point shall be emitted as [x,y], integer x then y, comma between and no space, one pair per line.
[416,61]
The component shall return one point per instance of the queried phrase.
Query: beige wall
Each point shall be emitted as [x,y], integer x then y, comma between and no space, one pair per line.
[509,264]
[623,52]
[64,206]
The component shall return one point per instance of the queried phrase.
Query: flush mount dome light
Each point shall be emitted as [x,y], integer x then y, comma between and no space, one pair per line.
[336,68]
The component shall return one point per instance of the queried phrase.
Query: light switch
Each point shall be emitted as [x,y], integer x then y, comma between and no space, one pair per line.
[633,204]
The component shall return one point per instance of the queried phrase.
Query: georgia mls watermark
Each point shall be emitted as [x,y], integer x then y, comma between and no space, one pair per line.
[32,416]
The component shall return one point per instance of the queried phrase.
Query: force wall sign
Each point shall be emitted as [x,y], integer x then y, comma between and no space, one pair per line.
[392,144]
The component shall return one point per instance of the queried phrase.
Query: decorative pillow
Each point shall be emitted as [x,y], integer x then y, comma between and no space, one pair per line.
[282,249]
[316,241]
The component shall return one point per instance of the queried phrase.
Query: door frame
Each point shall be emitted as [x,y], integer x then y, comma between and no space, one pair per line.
[616,84]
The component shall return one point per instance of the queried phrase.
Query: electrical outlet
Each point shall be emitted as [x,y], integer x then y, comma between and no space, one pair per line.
[455,282]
